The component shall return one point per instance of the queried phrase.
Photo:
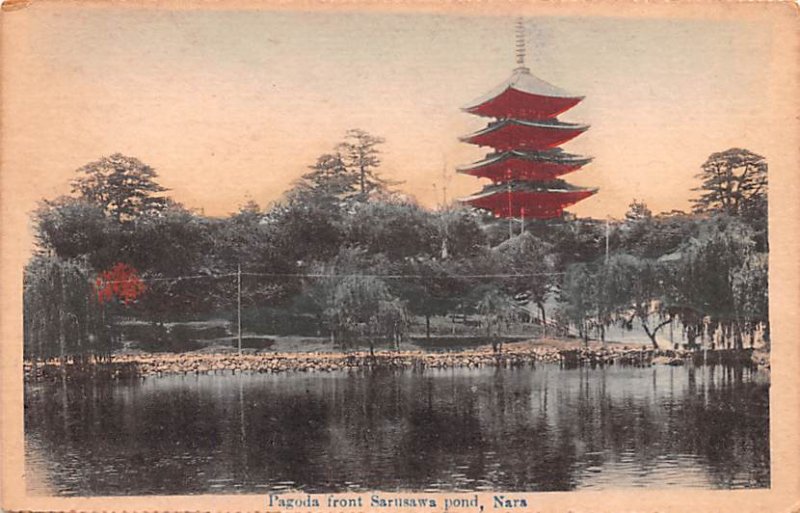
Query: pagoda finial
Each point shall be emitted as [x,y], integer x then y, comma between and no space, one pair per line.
[520,44]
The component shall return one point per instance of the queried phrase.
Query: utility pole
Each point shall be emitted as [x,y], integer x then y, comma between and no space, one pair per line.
[605,271]
[62,325]
[444,183]
[239,304]
[510,214]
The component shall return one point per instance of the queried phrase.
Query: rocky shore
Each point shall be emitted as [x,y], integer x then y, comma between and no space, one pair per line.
[512,355]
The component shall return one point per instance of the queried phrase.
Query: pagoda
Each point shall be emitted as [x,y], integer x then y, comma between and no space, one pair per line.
[525,133]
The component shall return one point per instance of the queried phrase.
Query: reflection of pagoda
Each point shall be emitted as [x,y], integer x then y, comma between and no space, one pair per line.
[526,164]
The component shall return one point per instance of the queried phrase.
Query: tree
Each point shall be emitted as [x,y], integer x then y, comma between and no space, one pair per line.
[362,157]
[431,288]
[638,211]
[624,289]
[62,316]
[723,276]
[733,181]
[124,187]
[121,282]
[328,181]
[497,309]
[304,232]
[461,231]
[363,305]
[307,225]
[73,228]
[391,320]
[578,298]
[533,261]
[575,240]
[751,292]
[637,228]
[645,293]
[396,229]
[660,235]
[597,294]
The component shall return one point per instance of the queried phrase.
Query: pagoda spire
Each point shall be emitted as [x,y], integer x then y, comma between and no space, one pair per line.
[520,44]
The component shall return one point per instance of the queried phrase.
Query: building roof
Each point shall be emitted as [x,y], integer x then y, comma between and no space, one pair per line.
[547,124]
[555,186]
[525,165]
[555,156]
[525,82]
[516,134]
[523,95]
[539,201]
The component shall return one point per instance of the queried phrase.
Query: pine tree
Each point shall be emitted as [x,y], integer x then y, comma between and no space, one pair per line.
[362,157]
[328,181]
[638,211]
[124,187]
[733,181]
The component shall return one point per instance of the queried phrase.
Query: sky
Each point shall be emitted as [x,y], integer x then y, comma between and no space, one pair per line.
[231,106]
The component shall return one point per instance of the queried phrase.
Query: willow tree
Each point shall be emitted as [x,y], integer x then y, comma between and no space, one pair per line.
[623,290]
[362,306]
[533,263]
[578,298]
[62,316]
[723,276]
[644,279]
[497,309]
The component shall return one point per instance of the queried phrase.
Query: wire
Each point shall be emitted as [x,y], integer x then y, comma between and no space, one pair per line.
[329,275]
[398,276]
[173,278]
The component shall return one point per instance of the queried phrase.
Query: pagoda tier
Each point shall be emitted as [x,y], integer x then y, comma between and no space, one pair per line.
[522,165]
[525,200]
[515,134]
[523,96]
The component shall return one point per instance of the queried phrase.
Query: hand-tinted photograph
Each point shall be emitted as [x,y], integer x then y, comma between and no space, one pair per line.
[283,251]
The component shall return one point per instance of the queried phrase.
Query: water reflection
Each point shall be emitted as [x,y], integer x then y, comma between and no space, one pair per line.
[457,429]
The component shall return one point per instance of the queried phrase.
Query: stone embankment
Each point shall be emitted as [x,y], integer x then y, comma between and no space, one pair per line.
[513,355]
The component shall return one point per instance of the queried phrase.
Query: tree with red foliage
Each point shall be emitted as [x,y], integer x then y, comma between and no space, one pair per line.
[122,282]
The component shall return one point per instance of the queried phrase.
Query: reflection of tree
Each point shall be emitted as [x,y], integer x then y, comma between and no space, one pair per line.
[290,431]
[111,445]
[367,413]
[513,429]
[442,430]
[724,422]
[730,429]
[521,451]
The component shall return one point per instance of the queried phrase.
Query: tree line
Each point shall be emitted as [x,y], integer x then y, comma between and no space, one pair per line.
[343,248]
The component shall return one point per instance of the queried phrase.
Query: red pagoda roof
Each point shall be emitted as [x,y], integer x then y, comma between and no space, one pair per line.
[523,96]
[530,203]
[514,134]
[521,165]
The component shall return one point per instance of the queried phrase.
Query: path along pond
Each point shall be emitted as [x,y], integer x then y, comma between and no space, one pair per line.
[522,429]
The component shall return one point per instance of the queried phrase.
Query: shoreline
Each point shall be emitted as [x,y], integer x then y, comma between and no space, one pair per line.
[567,354]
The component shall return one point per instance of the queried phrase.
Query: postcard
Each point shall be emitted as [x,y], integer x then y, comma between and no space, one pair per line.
[399,256]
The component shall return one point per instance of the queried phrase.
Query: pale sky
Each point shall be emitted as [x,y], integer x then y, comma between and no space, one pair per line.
[231,106]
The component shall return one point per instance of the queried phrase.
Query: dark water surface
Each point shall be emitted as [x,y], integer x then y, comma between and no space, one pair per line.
[456,429]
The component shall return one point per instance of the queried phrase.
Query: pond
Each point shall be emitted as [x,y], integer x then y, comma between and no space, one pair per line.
[457,429]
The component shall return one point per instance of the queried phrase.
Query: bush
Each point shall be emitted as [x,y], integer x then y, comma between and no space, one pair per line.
[159,339]
[254,342]
[276,321]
